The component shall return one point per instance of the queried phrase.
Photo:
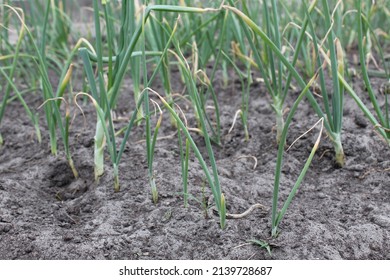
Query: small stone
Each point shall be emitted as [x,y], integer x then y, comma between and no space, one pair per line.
[31,237]
[224,172]
[321,195]
[360,121]
[126,224]
[381,220]
[29,249]
[77,240]
[4,227]
[68,237]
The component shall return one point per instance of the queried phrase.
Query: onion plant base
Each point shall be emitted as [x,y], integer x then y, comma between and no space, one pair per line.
[154,190]
[116,178]
[340,158]
[98,166]
[73,168]
[339,152]
[99,146]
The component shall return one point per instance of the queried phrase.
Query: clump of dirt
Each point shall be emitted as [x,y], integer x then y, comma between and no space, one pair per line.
[337,213]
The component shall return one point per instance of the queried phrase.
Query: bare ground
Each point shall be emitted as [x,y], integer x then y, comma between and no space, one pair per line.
[337,214]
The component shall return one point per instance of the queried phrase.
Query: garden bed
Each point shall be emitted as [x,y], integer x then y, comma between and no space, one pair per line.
[338,213]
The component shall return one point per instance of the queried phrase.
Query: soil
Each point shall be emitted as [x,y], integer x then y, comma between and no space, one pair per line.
[338,213]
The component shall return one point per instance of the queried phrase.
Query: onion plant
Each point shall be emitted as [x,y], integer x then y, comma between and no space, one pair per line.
[338,81]
[52,99]
[128,40]
[240,51]
[214,180]
[332,119]
[333,102]
[277,215]
[306,92]
[9,77]
[104,100]
[270,66]
[206,38]
[339,72]
[343,84]
[383,115]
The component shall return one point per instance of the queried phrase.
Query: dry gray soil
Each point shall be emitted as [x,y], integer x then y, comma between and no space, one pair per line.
[338,213]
